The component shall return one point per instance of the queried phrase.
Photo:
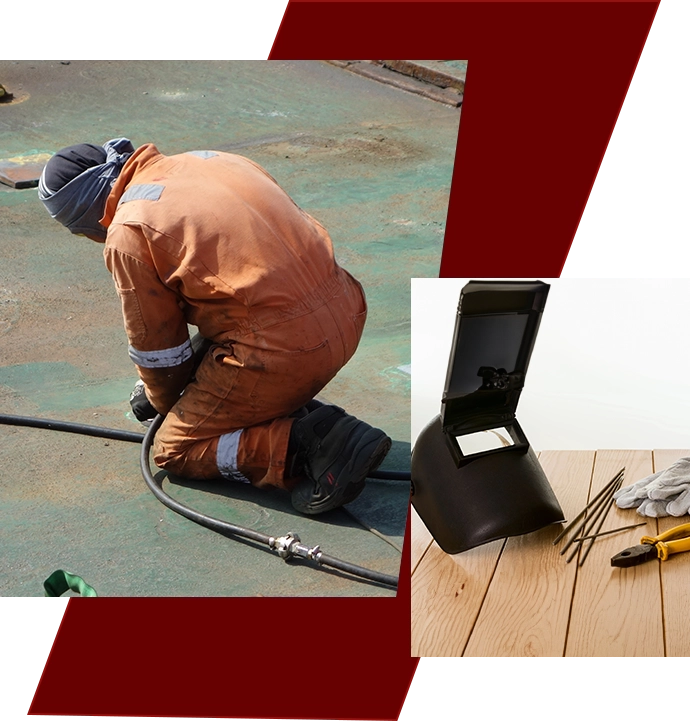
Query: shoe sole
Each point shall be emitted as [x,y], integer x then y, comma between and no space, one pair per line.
[367,456]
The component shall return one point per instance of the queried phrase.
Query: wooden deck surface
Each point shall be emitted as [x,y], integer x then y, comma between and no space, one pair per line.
[518,597]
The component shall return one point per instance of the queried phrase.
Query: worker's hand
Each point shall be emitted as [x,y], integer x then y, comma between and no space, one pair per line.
[141,406]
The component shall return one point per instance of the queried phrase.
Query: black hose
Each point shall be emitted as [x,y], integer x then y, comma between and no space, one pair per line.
[72,427]
[327,560]
[218,525]
[136,437]
[387,475]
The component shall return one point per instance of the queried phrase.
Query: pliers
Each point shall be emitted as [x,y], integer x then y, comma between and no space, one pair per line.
[655,547]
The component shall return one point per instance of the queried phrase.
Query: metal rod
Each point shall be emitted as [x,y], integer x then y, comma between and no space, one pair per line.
[589,522]
[603,509]
[594,510]
[610,531]
[596,531]
[584,511]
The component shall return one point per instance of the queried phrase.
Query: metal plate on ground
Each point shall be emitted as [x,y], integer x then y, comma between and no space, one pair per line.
[23,171]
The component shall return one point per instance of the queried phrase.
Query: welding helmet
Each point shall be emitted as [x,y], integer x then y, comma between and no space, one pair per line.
[467,498]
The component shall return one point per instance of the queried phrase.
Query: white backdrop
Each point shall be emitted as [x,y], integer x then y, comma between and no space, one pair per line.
[608,369]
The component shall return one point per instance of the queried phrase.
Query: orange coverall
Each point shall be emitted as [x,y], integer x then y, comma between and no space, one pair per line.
[210,239]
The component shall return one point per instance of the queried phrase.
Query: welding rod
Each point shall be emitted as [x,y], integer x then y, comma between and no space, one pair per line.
[594,508]
[584,511]
[596,531]
[588,524]
[610,531]
[602,511]
[585,525]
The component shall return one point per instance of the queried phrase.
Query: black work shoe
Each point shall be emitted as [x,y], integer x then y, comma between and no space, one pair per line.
[337,451]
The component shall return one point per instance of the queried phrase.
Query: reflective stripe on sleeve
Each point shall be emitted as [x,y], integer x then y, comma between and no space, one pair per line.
[164,358]
[226,456]
[142,192]
[202,153]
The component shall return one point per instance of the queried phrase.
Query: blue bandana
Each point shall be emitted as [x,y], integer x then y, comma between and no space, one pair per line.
[79,204]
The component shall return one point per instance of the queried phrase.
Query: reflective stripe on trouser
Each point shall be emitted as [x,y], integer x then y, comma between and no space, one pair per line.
[254,383]
[226,456]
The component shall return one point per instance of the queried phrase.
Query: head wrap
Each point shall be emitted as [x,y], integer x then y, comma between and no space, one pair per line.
[68,163]
[87,174]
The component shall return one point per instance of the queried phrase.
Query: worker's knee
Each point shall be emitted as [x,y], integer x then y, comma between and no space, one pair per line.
[167,454]
[192,458]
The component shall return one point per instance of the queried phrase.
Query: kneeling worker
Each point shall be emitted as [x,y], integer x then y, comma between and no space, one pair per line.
[210,239]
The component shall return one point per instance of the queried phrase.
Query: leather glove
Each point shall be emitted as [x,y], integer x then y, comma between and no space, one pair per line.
[652,507]
[666,493]
[673,488]
[630,497]
[141,406]
[680,505]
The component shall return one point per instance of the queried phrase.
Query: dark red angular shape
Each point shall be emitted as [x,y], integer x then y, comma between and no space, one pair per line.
[545,84]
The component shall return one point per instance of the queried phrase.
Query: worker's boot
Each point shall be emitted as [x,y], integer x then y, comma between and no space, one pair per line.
[307,409]
[335,452]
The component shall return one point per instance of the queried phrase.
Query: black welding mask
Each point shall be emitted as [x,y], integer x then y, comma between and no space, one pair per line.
[475,477]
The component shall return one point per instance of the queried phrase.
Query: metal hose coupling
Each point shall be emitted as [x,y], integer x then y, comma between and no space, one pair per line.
[290,545]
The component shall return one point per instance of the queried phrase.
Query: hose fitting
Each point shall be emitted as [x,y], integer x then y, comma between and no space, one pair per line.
[290,545]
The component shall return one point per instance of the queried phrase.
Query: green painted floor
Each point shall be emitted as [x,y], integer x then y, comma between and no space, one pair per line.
[371,162]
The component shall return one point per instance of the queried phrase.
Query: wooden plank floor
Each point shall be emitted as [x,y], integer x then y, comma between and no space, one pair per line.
[519,598]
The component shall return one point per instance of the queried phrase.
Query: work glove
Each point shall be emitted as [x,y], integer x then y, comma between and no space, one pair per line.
[141,406]
[630,497]
[680,505]
[653,508]
[665,493]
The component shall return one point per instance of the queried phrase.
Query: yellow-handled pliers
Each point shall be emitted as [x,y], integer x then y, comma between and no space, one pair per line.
[655,547]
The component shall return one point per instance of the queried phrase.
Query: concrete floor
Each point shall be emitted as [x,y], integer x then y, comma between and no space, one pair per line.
[371,162]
